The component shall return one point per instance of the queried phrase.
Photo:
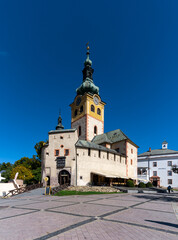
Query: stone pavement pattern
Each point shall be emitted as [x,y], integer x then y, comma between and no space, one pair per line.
[106,217]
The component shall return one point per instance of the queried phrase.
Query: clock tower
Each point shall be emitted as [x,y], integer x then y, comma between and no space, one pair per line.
[88,108]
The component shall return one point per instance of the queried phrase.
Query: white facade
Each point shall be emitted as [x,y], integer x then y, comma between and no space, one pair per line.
[156,165]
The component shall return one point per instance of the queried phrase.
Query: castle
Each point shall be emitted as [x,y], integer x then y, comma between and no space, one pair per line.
[85,154]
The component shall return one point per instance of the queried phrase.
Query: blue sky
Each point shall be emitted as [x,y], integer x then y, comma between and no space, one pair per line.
[133,46]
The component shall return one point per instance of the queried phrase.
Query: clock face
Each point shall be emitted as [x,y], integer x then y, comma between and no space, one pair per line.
[96,100]
[78,101]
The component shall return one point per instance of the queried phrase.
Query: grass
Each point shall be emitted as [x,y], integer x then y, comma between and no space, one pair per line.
[68,193]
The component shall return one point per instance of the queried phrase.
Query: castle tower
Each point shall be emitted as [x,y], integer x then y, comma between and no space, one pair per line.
[88,108]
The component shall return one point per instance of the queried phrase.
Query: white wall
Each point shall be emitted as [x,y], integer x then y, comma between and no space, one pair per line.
[162,168]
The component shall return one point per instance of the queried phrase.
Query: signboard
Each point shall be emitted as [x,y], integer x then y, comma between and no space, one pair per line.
[60,162]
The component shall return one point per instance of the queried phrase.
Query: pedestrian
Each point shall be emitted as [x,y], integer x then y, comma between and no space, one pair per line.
[169,189]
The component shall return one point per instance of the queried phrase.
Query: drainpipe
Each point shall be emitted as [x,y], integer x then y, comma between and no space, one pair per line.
[76,167]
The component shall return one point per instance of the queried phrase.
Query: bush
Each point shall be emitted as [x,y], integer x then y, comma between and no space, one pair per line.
[149,184]
[130,183]
[141,185]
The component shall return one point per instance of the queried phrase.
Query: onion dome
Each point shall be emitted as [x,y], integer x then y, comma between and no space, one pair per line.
[87,86]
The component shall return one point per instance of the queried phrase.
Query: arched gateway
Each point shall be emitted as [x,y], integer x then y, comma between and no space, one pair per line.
[64,177]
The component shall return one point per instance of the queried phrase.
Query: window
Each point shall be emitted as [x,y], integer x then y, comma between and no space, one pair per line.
[62,146]
[92,108]
[117,149]
[99,153]
[81,109]
[131,150]
[66,152]
[81,177]
[120,159]
[154,164]
[169,173]
[89,151]
[154,173]
[107,155]
[95,129]
[79,131]
[56,152]
[98,111]
[169,181]
[61,137]
[169,163]
[131,161]
[114,157]
[75,113]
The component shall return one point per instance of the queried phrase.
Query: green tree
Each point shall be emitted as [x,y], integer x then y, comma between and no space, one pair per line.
[36,175]
[30,163]
[38,147]
[24,173]
[8,168]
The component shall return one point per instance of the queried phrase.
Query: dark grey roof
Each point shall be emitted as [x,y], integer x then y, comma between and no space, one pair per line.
[158,152]
[164,142]
[86,144]
[111,137]
[62,130]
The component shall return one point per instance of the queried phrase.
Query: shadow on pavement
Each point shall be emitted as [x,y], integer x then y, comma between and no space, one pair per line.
[165,198]
[164,223]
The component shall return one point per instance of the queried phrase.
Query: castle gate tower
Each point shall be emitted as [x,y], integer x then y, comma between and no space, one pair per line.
[88,109]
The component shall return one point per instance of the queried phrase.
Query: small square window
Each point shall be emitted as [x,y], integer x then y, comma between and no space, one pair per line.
[131,150]
[81,177]
[169,163]
[56,152]
[154,164]
[154,173]
[169,173]
[66,152]
[169,181]
[61,137]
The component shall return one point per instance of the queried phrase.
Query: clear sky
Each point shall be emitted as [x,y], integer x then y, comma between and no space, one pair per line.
[134,49]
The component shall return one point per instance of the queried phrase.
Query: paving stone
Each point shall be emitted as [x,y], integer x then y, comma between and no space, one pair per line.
[92,217]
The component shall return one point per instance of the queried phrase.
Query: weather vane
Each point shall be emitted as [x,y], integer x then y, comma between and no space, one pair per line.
[87,45]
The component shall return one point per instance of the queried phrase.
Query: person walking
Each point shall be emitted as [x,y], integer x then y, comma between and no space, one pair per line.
[169,189]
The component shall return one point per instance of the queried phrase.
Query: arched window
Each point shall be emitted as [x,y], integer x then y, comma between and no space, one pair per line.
[95,129]
[75,113]
[79,131]
[92,108]
[98,111]
[81,109]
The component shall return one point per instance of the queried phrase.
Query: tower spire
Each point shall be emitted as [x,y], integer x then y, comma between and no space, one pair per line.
[59,126]
[87,85]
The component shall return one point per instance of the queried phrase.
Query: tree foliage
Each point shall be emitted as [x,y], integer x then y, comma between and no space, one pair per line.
[24,173]
[8,168]
[38,147]
[30,163]
[29,168]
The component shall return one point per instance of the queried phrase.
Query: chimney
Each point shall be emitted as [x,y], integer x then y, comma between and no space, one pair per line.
[149,149]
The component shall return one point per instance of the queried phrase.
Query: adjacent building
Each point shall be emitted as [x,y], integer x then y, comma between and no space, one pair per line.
[85,154]
[156,166]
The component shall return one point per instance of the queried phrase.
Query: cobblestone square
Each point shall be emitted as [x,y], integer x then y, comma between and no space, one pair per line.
[108,216]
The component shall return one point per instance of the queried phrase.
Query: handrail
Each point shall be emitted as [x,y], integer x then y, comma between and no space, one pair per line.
[23,189]
[58,188]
